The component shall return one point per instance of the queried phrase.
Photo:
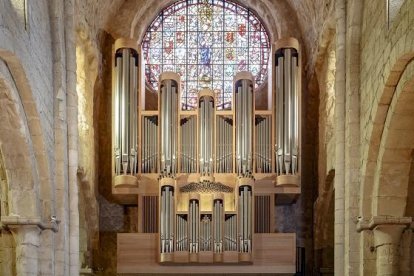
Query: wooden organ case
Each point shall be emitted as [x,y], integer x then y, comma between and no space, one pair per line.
[206,181]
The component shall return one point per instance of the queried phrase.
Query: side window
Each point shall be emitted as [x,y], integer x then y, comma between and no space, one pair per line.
[20,6]
[392,9]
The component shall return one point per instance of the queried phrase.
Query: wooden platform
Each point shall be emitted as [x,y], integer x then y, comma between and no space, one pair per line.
[273,253]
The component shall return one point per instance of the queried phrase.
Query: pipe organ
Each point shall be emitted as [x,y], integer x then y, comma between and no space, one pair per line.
[213,176]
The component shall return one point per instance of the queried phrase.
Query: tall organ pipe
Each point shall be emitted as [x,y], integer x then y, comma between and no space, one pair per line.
[244,122]
[206,115]
[287,107]
[168,122]
[125,109]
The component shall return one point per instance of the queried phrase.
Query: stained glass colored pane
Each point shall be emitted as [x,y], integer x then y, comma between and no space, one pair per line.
[207,42]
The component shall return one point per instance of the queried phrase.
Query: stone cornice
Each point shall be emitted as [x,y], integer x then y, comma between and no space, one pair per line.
[15,221]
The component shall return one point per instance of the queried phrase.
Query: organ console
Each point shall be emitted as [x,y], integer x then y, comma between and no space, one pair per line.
[216,174]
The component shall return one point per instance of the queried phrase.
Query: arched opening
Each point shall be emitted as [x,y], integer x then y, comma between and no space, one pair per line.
[17,155]
[19,183]
[393,181]
[395,153]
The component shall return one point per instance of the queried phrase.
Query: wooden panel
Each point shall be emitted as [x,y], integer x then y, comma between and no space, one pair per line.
[149,211]
[262,213]
[274,248]
[135,250]
[273,253]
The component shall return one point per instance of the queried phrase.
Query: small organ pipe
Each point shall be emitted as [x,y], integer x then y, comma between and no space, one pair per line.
[295,116]
[194,226]
[197,228]
[117,135]
[125,111]
[245,219]
[149,144]
[218,221]
[279,117]
[167,219]
[288,111]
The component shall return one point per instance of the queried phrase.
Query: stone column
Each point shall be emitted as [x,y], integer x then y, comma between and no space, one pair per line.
[7,256]
[340,91]
[27,239]
[405,262]
[387,241]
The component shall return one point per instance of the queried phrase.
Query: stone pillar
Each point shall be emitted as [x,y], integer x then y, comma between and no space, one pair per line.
[387,241]
[405,262]
[7,253]
[27,239]
[340,91]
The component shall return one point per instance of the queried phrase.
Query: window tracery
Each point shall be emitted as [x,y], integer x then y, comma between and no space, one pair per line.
[207,42]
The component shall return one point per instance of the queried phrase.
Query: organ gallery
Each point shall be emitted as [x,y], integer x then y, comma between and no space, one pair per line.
[206,178]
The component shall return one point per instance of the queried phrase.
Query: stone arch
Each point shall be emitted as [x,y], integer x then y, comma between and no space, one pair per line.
[18,155]
[376,128]
[16,94]
[392,171]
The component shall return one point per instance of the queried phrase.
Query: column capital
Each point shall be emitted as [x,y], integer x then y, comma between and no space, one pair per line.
[375,221]
[388,234]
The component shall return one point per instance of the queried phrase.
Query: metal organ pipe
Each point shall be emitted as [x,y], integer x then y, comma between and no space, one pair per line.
[206,111]
[218,220]
[244,123]
[287,110]
[168,122]
[166,219]
[125,108]
[245,219]
[194,225]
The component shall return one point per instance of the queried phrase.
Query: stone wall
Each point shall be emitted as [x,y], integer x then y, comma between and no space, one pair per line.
[39,147]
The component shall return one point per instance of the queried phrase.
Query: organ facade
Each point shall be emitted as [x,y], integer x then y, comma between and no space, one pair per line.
[206,180]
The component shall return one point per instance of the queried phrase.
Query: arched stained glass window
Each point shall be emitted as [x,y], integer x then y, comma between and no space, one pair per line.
[206,42]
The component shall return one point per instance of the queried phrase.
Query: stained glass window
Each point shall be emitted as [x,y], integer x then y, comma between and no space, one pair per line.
[207,42]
